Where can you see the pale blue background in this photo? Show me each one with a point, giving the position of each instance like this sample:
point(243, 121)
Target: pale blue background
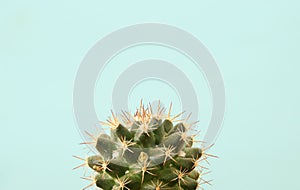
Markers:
point(256, 47)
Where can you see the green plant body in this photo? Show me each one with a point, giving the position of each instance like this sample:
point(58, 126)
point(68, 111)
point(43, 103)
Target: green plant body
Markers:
point(147, 151)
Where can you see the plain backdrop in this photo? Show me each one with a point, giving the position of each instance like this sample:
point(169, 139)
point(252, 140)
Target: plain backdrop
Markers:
point(255, 43)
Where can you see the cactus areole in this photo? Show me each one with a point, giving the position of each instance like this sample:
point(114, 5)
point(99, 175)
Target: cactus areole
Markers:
point(148, 150)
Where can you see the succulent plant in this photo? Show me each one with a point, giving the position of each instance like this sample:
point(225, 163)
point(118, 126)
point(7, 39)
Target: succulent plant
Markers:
point(149, 150)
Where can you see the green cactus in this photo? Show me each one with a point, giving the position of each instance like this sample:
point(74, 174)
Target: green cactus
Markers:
point(147, 151)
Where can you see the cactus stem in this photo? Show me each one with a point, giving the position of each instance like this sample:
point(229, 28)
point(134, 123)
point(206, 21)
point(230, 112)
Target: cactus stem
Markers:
point(147, 150)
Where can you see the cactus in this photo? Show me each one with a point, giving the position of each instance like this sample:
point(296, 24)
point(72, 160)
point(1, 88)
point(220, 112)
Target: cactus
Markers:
point(148, 151)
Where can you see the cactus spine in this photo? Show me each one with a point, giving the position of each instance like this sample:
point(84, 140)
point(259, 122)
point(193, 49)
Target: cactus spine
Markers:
point(148, 151)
